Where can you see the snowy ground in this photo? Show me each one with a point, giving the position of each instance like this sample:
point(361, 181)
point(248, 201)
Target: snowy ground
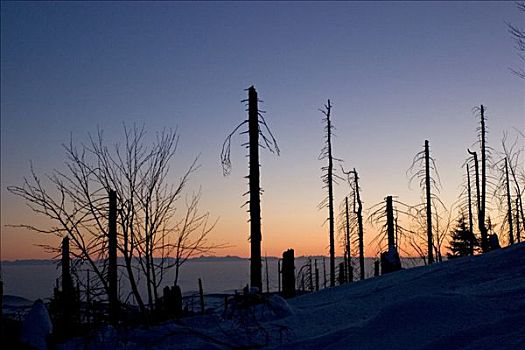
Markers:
point(469, 303)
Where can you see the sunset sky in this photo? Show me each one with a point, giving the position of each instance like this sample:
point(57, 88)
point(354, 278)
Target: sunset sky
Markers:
point(397, 73)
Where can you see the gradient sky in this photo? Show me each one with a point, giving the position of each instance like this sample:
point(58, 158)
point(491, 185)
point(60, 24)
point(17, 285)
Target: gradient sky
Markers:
point(397, 73)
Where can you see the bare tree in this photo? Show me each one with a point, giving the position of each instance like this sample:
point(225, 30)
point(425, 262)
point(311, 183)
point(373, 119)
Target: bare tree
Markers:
point(510, 184)
point(346, 228)
point(482, 176)
point(425, 164)
point(256, 125)
point(513, 153)
point(465, 203)
point(356, 219)
point(482, 134)
point(328, 179)
point(392, 235)
point(518, 35)
point(149, 226)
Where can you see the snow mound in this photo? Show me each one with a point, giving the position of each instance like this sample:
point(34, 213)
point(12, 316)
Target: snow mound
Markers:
point(472, 303)
point(36, 326)
point(279, 306)
point(468, 303)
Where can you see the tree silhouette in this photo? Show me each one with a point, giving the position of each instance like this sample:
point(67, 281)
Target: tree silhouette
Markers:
point(328, 179)
point(148, 230)
point(518, 35)
point(461, 239)
point(481, 176)
point(256, 125)
point(356, 222)
point(465, 202)
point(483, 134)
point(426, 164)
point(514, 177)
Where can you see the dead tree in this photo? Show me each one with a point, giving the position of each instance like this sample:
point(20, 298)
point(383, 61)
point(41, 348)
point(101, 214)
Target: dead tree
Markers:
point(392, 242)
point(65, 304)
point(358, 211)
point(518, 231)
point(316, 277)
point(324, 273)
point(201, 298)
point(328, 178)
point(348, 254)
point(390, 260)
point(256, 123)
point(509, 203)
point(267, 275)
point(148, 223)
point(515, 171)
point(67, 281)
point(392, 237)
point(112, 258)
point(483, 133)
point(429, 204)
point(483, 173)
point(518, 34)
point(481, 217)
point(288, 274)
point(426, 164)
point(469, 203)
point(356, 222)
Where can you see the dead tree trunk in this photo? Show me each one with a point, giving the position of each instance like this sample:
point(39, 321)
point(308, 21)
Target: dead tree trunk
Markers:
point(347, 239)
point(316, 276)
point(255, 191)
point(311, 274)
point(429, 205)
point(470, 221)
point(279, 275)
point(201, 297)
point(112, 258)
point(518, 233)
point(360, 233)
point(68, 292)
point(267, 275)
point(483, 228)
point(509, 203)
point(390, 224)
point(328, 179)
point(288, 274)
point(67, 281)
point(481, 216)
point(390, 261)
point(341, 274)
point(324, 272)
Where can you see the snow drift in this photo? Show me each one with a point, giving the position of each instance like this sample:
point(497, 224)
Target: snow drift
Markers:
point(467, 303)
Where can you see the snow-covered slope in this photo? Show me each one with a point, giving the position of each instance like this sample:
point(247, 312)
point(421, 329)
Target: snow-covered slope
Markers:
point(468, 303)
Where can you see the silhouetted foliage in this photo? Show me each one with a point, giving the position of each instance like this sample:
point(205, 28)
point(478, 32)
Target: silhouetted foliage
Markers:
point(462, 240)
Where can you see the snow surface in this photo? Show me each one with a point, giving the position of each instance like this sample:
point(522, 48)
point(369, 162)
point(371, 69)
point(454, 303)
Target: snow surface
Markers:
point(466, 303)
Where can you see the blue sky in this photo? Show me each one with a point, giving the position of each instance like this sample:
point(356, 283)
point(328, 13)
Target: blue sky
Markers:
point(397, 73)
